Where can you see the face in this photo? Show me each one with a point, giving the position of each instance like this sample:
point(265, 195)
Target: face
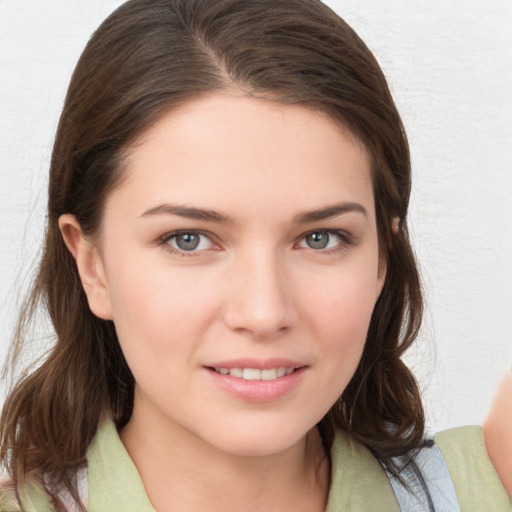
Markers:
point(240, 265)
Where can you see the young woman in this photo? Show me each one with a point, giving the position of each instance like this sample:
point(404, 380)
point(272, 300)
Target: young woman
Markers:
point(228, 272)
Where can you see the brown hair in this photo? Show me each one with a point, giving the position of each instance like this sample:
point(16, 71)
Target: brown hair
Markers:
point(146, 58)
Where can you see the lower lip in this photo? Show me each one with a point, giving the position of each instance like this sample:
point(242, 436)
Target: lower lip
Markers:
point(258, 390)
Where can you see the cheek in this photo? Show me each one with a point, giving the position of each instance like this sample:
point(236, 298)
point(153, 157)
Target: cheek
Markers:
point(342, 303)
point(154, 310)
point(339, 311)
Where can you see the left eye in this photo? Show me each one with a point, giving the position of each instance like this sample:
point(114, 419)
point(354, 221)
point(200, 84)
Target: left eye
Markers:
point(320, 240)
point(189, 241)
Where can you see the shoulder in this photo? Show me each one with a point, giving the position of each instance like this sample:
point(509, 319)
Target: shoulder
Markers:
point(453, 473)
point(354, 470)
point(33, 498)
point(476, 482)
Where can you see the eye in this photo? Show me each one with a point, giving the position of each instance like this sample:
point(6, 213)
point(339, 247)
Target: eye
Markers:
point(187, 241)
point(323, 239)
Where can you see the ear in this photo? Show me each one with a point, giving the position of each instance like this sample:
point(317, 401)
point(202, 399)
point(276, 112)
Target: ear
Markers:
point(381, 275)
point(90, 266)
point(383, 265)
point(395, 225)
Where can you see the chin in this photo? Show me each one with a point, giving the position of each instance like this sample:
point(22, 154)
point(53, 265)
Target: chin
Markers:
point(258, 442)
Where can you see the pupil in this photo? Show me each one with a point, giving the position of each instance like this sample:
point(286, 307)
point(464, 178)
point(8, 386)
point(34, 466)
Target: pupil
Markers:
point(187, 241)
point(317, 240)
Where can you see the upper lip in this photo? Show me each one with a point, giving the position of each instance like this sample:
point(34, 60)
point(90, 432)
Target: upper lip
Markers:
point(261, 364)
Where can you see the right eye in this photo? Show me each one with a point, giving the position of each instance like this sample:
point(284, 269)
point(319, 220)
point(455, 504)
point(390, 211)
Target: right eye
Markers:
point(187, 241)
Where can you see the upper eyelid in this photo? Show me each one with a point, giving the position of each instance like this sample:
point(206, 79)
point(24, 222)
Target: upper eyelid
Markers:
point(177, 232)
point(339, 232)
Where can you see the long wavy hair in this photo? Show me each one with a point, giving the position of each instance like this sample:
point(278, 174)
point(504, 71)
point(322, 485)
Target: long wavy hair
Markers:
point(146, 58)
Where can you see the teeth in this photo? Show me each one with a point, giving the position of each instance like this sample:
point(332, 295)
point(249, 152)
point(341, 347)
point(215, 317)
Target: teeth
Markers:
point(255, 373)
point(269, 374)
point(251, 374)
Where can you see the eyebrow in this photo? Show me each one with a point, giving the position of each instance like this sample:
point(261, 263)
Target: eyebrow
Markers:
point(220, 218)
point(187, 213)
point(330, 211)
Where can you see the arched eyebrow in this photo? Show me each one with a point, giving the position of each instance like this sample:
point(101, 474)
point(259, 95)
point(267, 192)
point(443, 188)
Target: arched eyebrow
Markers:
point(188, 213)
point(329, 212)
point(220, 218)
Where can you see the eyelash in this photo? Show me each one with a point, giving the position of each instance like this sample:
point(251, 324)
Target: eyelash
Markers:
point(345, 241)
point(164, 241)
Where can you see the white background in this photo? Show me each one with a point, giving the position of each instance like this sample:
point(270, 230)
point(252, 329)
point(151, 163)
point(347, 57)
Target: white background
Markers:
point(449, 65)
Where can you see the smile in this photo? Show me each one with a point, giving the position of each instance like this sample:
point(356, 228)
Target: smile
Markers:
point(256, 373)
point(257, 380)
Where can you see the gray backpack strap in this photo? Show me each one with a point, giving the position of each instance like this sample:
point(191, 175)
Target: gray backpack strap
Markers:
point(428, 486)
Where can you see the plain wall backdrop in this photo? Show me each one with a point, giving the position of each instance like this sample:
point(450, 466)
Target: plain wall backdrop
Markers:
point(449, 65)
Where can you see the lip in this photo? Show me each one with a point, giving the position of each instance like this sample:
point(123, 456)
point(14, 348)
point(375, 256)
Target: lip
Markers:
point(257, 390)
point(261, 364)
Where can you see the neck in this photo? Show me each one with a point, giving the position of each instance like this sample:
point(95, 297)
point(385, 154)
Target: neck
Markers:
point(183, 473)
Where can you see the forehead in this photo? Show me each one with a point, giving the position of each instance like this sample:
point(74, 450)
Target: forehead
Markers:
point(231, 152)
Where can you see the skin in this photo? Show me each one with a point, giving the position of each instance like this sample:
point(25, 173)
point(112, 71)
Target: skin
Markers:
point(498, 432)
point(253, 288)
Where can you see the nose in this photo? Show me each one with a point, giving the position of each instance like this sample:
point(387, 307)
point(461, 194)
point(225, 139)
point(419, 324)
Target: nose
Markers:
point(260, 301)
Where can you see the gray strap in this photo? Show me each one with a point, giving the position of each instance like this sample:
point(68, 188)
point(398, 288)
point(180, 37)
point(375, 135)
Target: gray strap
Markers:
point(428, 483)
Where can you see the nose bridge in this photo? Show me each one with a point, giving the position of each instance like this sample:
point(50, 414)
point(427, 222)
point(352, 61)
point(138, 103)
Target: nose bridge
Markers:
point(261, 298)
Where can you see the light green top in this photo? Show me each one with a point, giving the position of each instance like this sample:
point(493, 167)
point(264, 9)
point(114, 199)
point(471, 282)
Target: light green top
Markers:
point(476, 482)
point(358, 482)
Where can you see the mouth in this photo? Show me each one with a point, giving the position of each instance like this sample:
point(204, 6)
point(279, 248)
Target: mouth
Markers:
point(256, 373)
point(257, 380)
